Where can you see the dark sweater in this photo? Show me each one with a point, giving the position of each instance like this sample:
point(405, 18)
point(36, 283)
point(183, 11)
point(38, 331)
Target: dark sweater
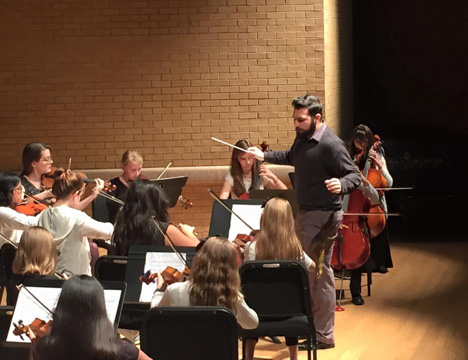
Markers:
point(323, 156)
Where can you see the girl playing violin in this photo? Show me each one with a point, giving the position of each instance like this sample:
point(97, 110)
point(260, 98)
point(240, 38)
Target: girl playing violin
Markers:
point(362, 148)
point(214, 281)
point(277, 240)
point(135, 224)
point(81, 328)
point(245, 175)
point(35, 258)
point(12, 223)
point(71, 227)
point(132, 163)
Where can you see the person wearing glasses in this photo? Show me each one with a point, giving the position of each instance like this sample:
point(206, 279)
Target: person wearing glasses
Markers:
point(12, 223)
point(71, 227)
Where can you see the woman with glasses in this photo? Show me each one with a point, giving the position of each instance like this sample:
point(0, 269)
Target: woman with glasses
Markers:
point(71, 227)
point(12, 223)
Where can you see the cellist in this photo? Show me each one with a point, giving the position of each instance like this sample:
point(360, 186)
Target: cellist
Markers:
point(361, 148)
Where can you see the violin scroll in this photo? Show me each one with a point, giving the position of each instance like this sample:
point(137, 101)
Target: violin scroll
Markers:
point(38, 327)
point(186, 203)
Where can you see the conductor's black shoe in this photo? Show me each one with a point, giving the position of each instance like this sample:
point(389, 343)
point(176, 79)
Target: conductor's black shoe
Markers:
point(382, 269)
point(357, 300)
point(317, 346)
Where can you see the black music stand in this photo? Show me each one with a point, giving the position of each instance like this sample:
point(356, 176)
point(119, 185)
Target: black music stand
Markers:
point(291, 178)
point(172, 187)
point(221, 218)
point(287, 194)
point(136, 266)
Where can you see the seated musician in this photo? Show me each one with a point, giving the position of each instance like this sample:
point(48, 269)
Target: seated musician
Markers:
point(136, 224)
point(71, 227)
point(277, 240)
point(81, 328)
point(12, 223)
point(35, 258)
point(37, 161)
point(214, 281)
point(132, 163)
point(245, 174)
point(380, 256)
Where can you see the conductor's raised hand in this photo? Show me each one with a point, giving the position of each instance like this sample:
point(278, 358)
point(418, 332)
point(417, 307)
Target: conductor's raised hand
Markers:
point(333, 185)
point(256, 152)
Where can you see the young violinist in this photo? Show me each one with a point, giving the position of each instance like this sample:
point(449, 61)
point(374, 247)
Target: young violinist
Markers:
point(245, 174)
point(214, 281)
point(35, 258)
point(361, 149)
point(12, 223)
point(277, 240)
point(135, 223)
point(71, 227)
point(81, 328)
point(132, 163)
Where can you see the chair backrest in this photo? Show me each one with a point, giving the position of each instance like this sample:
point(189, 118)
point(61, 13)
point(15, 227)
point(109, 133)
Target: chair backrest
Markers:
point(110, 268)
point(7, 255)
point(210, 333)
point(276, 289)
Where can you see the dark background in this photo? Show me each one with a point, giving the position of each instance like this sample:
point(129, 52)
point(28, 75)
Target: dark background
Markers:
point(410, 87)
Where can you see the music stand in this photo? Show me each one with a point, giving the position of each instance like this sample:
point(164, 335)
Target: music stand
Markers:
point(221, 218)
point(291, 178)
point(172, 187)
point(287, 194)
point(136, 265)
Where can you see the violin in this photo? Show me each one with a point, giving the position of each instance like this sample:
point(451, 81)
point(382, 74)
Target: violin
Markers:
point(30, 208)
point(169, 274)
point(39, 327)
point(186, 203)
point(108, 186)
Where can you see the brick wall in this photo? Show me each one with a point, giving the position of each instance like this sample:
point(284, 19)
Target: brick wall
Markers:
point(93, 78)
point(339, 65)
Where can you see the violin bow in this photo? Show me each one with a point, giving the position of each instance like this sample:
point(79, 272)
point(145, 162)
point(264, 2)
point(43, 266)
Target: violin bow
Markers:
point(21, 286)
point(165, 169)
point(171, 243)
point(218, 199)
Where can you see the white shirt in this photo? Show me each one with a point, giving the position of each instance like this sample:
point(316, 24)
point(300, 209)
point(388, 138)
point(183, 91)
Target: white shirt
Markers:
point(247, 179)
point(249, 254)
point(12, 223)
point(177, 294)
point(71, 229)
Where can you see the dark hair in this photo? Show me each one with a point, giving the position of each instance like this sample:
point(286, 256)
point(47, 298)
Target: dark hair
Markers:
point(66, 183)
point(134, 224)
point(81, 328)
point(8, 181)
point(238, 187)
point(32, 152)
point(309, 102)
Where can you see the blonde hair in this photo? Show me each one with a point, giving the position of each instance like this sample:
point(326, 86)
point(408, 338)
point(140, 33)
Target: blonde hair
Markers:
point(132, 155)
point(214, 275)
point(36, 254)
point(277, 237)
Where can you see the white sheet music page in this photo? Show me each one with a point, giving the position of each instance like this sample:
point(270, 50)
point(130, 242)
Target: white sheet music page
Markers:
point(157, 262)
point(250, 214)
point(28, 309)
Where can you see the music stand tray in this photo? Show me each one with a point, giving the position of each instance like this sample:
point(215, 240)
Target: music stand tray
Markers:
point(172, 187)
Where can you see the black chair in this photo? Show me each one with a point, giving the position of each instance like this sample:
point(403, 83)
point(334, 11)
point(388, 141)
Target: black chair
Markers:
point(110, 268)
point(7, 255)
point(279, 292)
point(211, 333)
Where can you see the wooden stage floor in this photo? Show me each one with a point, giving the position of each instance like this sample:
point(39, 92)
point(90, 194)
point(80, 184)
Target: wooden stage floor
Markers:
point(418, 310)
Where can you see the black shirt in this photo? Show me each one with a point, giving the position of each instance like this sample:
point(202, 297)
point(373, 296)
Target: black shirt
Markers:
point(120, 193)
point(320, 157)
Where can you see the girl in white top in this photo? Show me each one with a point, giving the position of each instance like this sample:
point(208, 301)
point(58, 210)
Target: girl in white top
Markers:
point(245, 175)
point(214, 281)
point(12, 223)
point(277, 240)
point(71, 227)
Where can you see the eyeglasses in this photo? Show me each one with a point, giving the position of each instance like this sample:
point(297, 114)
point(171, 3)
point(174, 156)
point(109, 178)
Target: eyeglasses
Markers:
point(47, 160)
point(18, 188)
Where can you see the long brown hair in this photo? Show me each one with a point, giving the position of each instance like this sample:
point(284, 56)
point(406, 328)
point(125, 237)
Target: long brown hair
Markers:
point(36, 254)
point(238, 187)
point(32, 152)
point(277, 238)
point(215, 275)
point(66, 183)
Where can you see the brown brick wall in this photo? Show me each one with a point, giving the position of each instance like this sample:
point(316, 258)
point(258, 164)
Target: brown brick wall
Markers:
point(93, 78)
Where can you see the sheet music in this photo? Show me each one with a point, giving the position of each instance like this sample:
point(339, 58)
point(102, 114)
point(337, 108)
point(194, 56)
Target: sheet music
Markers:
point(250, 214)
point(27, 308)
point(157, 262)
